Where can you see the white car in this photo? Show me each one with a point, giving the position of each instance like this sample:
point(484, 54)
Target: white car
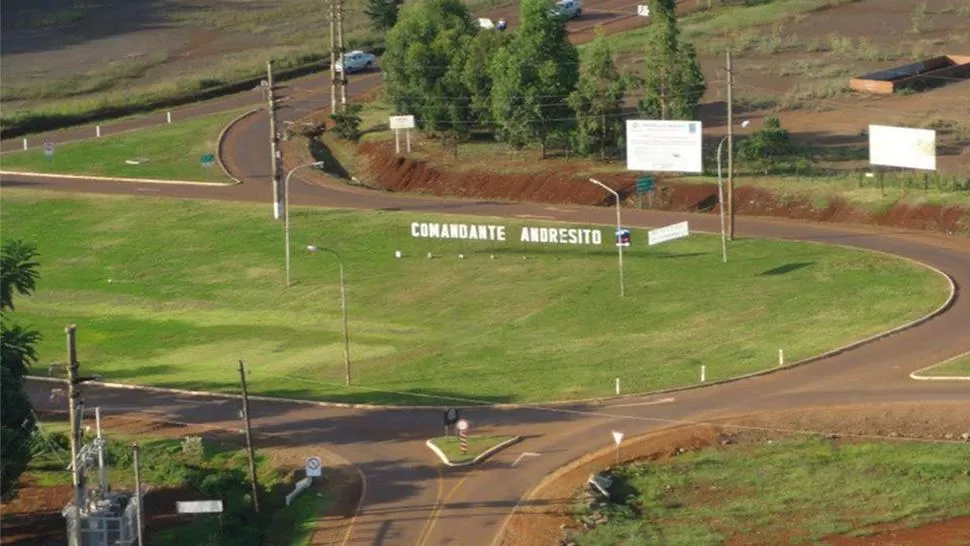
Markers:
point(356, 61)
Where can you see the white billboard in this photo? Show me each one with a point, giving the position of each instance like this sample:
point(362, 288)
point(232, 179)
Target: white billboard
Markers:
point(902, 147)
point(668, 233)
point(669, 146)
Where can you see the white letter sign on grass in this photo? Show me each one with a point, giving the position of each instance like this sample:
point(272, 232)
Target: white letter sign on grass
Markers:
point(902, 147)
point(669, 146)
point(668, 233)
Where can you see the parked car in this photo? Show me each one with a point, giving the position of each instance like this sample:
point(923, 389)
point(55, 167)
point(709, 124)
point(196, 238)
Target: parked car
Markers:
point(568, 9)
point(356, 61)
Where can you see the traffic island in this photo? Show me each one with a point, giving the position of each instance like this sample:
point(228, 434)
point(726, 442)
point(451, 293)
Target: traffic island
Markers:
point(448, 448)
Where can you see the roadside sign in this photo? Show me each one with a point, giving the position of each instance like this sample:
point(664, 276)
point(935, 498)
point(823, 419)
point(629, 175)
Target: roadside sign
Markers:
point(617, 437)
point(623, 237)
point(451, 416)
point(463, 435)
point(313, 467)
point(645, 184)
point(199, 507)
point(401, 122)
point(643, 11)
point(208, 160)
point(664, 146)
point(48, 148)
point(463, 425)
point(668, 233)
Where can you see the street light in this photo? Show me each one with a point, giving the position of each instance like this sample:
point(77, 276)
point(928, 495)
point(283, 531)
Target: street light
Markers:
point(343, 308)
point(720, 194)
point(619, 247)
point(286, 213)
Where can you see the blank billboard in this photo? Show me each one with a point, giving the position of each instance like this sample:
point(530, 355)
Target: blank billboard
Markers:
point(902, 147)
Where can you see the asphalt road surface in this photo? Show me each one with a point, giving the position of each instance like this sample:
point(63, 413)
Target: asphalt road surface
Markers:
point(410, 498)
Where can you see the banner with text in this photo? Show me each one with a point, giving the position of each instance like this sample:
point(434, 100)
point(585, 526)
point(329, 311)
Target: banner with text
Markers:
point(499, 233)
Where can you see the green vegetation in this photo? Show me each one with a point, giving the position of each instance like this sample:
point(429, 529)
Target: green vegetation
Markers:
point(174, 152)
point(172, 293)
point(451, 446)
point(793, 491)
point(958, 367)
point(203, 466)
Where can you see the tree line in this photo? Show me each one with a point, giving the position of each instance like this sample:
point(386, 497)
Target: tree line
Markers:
point(530, 86)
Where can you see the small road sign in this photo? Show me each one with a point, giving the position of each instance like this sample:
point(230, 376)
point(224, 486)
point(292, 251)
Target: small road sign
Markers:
point(313, 467)
point(643, 11)
point(208, 160)
point(48, 148)
point(451, 416)
point(617, 437)
point(645, 184)
point(463, 425)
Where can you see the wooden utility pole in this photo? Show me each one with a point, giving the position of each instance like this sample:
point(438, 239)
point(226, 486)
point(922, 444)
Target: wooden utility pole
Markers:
point(274, 141)
point(340, 45)
point(249, 437)
point(74, 410)
point(333, 62)
point(730, 145)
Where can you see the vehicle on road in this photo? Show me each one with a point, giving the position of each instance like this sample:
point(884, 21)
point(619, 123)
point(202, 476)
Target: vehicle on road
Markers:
point(568, 9)
point(356, 61)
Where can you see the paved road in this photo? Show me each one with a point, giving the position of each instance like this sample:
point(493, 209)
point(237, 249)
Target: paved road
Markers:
point(410, 499)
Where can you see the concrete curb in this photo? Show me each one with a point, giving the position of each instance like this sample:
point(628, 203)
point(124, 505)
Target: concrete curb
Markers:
point(920, 377)
point(486, 454)
point(222, 140)
point(115, 179)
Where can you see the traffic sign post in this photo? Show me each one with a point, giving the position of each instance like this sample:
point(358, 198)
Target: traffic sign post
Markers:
point(463, 427)
point(451, 417)
point(314, 467)
point(48, 150)
point(617, 438)
point(208, 160)
point(645, 185)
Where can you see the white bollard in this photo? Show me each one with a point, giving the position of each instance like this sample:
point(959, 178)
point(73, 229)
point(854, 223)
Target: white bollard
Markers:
point(781, 357)
point(97, 131)
point(168, 117)
point(703, 373)
point(397, 253)
point(25, 143)
point(617, 386)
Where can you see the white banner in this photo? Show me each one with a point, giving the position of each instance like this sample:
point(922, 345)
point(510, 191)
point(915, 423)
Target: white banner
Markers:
point(402, 122)
point(902, 147)
point(668, 233)
point(199, 507)
point(669, 146)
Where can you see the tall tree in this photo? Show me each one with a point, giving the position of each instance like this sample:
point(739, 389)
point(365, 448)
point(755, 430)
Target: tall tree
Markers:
point(673, 84)
point(533, 76)
point(382, 14)
point(423, 64)
point(598, 100)
point(475, 74)
point(18, 274)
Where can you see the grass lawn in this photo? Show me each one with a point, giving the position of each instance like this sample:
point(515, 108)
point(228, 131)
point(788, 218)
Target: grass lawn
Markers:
point(217, 472)
point(177, 304)
point(451, 447)
point(174, 151)
point(958, 367)
point(792, 491)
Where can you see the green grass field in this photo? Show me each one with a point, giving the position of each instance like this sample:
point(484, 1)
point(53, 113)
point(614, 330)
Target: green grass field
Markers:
point(175, 152)
point(173, 293)
point(793, 491)
point(958, 367)
point(451, 447)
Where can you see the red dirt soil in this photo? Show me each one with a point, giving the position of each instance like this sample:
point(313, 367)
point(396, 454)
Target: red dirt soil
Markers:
point(401, 174)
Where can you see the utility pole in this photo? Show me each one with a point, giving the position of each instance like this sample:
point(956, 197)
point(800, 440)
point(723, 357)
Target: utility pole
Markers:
point(730, 143)
point(663, 94)
point(74, 410)
point(139, 517)
point(249, 437)
point(102, 469)
point(340, 39)
point(333, 62)
point(273, 141)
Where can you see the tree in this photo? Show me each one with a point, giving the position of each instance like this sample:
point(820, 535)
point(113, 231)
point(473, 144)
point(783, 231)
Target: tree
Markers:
point(598, 100)
point(423, 64)
point(18, 274)
point(475, 75)
point(533, 76)
point(347, 123)
point(382, 14)
point(767, 149)
point(673, 84)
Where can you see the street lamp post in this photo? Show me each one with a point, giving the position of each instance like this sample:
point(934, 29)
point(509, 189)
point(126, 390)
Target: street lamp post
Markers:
point(286, 213)
point(720, 194)
point(343, 308)
point(619, 248)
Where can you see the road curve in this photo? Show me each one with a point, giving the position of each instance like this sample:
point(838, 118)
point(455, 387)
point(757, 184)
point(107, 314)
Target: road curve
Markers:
point(411, 499)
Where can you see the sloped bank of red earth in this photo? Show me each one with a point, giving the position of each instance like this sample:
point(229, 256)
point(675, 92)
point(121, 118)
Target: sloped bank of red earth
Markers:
point(565, 185)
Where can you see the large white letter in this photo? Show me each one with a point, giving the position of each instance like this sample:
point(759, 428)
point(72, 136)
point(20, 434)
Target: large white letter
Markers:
point(414, 230)
point(597, 237)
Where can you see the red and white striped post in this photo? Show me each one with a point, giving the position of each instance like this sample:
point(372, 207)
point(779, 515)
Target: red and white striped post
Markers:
point(463, 435)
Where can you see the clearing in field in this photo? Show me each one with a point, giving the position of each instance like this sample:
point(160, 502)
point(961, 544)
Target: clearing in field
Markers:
point(173, 293)
point(789, 491)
